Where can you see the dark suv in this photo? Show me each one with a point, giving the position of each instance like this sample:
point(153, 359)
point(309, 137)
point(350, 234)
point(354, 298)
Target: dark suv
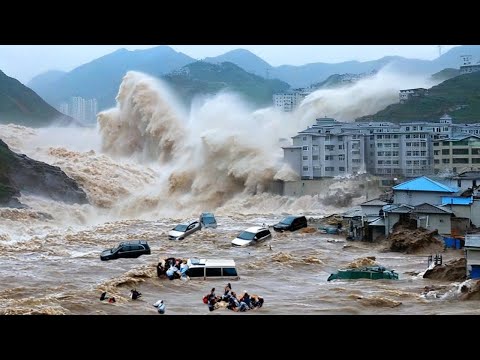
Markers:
point(130, 249)
point(291, 223)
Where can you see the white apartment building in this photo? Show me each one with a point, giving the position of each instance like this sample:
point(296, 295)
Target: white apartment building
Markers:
point(331, 148)
point(288, 101)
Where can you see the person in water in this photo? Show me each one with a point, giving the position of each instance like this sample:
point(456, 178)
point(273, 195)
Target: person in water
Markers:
point(134, 294)
point(160, 305)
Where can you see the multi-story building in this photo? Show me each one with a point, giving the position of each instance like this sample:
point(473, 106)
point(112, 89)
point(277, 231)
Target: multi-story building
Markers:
point(457, 154)
point(331, 148)
point(467, 66)
point(80, 109)
point(288, 101)
point(324, 150)
point(409, 93)
point(91, 110)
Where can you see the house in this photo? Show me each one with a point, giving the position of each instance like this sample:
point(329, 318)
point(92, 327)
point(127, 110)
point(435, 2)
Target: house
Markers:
point(396, 214)
point(421, 190)
point(410, 93)
point(373, 207)
point(424, 215)
point(472, 255)
point(432, 217)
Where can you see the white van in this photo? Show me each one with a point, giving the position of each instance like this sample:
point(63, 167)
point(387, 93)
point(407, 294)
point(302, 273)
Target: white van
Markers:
point(212, 269)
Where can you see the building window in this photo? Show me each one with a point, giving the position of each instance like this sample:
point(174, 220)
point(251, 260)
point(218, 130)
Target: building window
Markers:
point(459, 151)
point(315, 157)
point(329, 168)
point(436, 152)
point(356, 161)
point(328, 157)
point(340, 147)
point(314, 148)
point(341, 168)
point(329, 147)
point(436, 161)
point(445, 151)
point(445, 161)
point(435, 144)
point(476, 161)
point(304, 138)
point(305, 158)
point(475, 151)
point(305, 148)
point(305, 168)
point(317, 168)
point(395, 145)
point(460, 160)
point(341, 157)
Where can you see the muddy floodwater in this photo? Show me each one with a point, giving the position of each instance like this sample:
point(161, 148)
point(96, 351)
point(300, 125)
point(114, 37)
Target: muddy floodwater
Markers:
point(60, 272)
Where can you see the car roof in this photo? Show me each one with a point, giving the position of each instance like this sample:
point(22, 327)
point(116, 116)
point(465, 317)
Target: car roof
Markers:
point(207, 214)
point(188, 223)
point(213, 262)
point(255, 229)
point(134, 242)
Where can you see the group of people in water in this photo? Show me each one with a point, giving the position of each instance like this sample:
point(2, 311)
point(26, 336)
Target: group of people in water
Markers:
point(232, 302)
point(173, 269)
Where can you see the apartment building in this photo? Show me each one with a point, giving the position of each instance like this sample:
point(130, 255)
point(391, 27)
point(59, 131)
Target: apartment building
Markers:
point(331, 148)
point(457, 154)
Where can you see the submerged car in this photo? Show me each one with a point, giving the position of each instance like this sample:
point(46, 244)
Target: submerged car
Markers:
point(291, 223)
point(181, 231)
point(208, 220)
point(252, 236)
point(368, 272)
point(130, 249)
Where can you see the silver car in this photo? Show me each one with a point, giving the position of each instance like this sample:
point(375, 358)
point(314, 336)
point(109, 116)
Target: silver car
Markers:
point(181, 231)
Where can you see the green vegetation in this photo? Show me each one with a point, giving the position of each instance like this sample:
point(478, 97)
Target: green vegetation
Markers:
point(205, 78)
point(459, 97)
point(21, 105)
point(445, 74)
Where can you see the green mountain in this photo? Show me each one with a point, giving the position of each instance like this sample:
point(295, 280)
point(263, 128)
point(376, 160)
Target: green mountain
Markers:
point(206, 78)
point(459, 96)
point(21, 105)
point(247, 60)
point(445, 74)
point(102, 77)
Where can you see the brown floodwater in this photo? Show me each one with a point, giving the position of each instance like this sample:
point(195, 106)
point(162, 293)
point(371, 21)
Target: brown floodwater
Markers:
point(59, 271)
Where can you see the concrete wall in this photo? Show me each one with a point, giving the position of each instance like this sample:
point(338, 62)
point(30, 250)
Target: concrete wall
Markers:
point(473, 258)
point(439, 222)
point(475, 217)
point(460, 225)
point(293, 157)
point(390, 220)
point(306, 187)
point(417, 197)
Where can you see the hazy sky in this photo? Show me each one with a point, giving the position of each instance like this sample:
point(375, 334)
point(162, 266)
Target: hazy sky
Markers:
point(25, 61)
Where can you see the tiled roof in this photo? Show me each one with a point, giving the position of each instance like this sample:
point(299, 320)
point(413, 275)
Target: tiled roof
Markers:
point(374, 202)
point(430, 209)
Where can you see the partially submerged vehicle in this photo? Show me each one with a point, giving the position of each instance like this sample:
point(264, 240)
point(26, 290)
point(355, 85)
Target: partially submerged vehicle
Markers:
point(208, 220)
point(252, 236)
point(128, 249)
point(368, 272)
point(199, 269)
point(181, 231)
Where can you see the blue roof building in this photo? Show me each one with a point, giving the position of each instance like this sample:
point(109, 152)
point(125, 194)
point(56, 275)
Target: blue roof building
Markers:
point(421, 190)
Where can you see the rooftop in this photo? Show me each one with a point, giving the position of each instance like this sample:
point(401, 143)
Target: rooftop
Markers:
point(472, 240)
point(426, 208)
point(374, 202)
point(424, 183)
point(456, 200)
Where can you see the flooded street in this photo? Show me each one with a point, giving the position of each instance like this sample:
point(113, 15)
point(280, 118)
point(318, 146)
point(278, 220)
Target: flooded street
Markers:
point(61, 273)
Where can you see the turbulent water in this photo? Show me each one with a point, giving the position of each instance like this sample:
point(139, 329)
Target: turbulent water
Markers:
point(151, 164)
